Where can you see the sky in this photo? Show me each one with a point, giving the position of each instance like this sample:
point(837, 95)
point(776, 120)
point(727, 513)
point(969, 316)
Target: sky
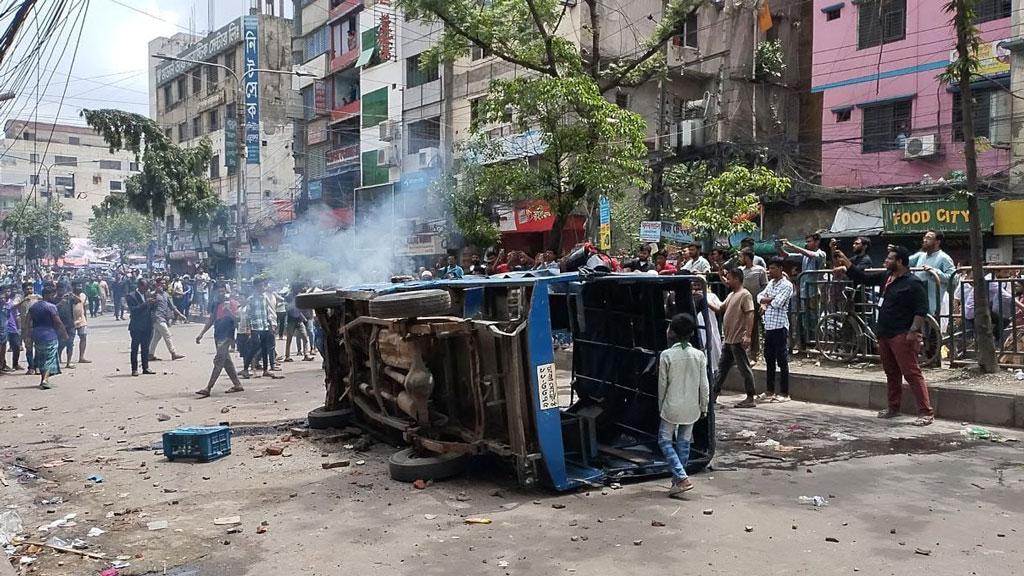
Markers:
point(111, 68)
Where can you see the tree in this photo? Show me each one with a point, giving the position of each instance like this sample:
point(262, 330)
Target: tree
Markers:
point(171, 175)
point(589, 147)
point(962, 71)
point(127, 231)
point(723, 204)
point(37, 231)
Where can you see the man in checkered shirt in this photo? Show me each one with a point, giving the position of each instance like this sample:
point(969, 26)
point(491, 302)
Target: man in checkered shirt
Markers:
point(774, 301)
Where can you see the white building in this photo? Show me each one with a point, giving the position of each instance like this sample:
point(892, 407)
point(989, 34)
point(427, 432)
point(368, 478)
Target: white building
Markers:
point(70, 164)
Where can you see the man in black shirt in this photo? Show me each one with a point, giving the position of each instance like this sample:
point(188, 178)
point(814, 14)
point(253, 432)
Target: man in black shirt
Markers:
point(900, 322)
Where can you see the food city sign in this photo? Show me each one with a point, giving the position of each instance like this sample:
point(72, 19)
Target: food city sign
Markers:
point(942, 215)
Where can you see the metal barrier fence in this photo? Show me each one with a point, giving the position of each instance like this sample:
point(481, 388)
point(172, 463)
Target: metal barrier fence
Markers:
point(1006, 304)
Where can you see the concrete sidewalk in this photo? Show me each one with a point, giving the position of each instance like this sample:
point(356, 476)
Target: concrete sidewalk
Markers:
point(956, 394)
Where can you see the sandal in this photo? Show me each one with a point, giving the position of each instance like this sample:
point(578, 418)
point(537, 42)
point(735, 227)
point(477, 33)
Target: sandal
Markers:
point(204, 393)
point(234, 389)
point(924, 421)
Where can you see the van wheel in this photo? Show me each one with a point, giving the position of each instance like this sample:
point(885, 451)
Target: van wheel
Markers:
point(413, 464)
point(321, 419)
point(411, 304)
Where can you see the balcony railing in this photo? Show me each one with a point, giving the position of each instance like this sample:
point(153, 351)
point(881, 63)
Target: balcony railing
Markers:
point(345, 112)
point(343, 61)
point(343, 154)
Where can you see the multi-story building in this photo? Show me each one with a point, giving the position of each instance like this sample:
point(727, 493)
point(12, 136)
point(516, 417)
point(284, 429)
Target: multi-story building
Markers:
point(886, 117)
point(69, 164)
point(192, 101)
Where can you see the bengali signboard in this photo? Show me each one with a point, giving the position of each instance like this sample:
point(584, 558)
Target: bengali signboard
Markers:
point(316, 131)
point(385, 37)
point(319, 97)
point(228, 35)
point(993, 59)
point(605, 234)
point(655, 231)
point(941, 215)
point(251, 40)
point(231, 140)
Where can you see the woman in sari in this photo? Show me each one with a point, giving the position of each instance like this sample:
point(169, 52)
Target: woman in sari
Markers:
point(47, 333)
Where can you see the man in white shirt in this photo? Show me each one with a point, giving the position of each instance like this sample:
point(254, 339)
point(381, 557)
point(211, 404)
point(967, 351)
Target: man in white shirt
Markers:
point(774, 301)
point(696, 263)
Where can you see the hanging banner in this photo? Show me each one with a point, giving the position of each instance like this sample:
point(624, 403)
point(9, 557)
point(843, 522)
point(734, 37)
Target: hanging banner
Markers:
point(605, 235)
point(941, 215)
point(231, 140)
point(251, 35)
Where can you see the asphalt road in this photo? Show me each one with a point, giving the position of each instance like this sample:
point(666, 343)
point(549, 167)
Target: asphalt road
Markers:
point(901, 500)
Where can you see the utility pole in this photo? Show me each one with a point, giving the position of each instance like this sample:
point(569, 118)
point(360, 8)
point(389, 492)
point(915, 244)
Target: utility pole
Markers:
point(961, 70)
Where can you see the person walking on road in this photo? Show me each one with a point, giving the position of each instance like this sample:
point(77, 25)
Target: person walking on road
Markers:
point(92, 294)
point(47, 333)
point(901, 320)
point(14, 341)
point(140, 303)
point(737, 326)
point(261, 311)
point(118, 291)
point(774, 300)
point(223, 318)
point(164, 314)
point(28, 298)
point(683, 395)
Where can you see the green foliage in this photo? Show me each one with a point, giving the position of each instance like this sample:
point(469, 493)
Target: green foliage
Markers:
point(112, 204)
point(171, 175)
point(126, 231)
point(963, 19)
point(727, 199)
point(768, 60)
point(684, 184)
point(33, 229)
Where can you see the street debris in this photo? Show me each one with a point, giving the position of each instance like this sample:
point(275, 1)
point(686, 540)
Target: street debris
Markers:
point(816, 501)
point(337, 464)
point(558, 506)
point(162, 417)
point(419, 484)
point(274, 450)
point(976, 433)
point(10, 526)
point(748, 528)
point(502, 563)
point(832, 539)
point(430, 516)
point(95, 479)
point(94, 532)
point(157, 525)
point(923, 551)
point(65, 521)
point(638, 542)
point(657, 523)
point(744, 434)
point(462, 497)
point(227, 520)
point(842, 437)
point(93, 555)
point(708, 511)
point(473, 520)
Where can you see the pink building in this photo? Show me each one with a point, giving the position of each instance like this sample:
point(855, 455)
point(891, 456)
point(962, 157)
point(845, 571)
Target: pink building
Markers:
point(886, 118)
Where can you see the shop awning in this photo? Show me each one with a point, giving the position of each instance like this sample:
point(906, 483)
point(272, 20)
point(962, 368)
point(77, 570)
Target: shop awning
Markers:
point(365, 56)
point(863, 219)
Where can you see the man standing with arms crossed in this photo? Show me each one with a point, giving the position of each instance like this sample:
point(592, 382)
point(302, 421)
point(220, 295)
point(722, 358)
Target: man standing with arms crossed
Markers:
point(737, 327)
point(900, 324)
point(774, 301)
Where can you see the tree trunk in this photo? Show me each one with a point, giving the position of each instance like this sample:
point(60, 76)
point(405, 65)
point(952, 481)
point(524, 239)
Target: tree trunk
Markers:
point(982, 316)
point(555, 238)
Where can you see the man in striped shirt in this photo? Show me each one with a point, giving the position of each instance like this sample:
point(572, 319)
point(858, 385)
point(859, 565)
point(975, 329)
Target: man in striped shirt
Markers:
point(774, 301)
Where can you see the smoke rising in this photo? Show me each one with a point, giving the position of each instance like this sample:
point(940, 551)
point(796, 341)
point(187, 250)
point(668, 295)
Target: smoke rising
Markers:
point(317, 251)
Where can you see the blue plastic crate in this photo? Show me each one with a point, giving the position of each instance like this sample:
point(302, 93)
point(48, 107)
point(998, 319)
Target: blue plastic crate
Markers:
point(202, 443)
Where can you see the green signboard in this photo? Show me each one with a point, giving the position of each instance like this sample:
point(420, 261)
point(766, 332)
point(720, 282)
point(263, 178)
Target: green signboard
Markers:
point(941, 215)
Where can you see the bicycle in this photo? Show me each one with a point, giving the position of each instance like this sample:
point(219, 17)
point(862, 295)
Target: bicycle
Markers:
point(844, 336)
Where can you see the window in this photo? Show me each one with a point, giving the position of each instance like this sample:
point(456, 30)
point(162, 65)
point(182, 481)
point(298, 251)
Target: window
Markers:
point(415, 75)
point(27, 135)
point(475, 111)
point(197, 81)
point(883, 124)
point(197, 126)
point(115, 185)
point(168, 97)
point(182, 131)
point(33, 158)
point(987, 10)
point(843, 114)
point(212, 77)
point(991, 115)
point(215, 167)
point(622, 100)
point(375, 107)
point(424, 134)
point(133, 166)
point(33, 178)
point(478, 53)
point(65, 161)
point(316, 43)
point(832, 12)
point(229, 60)
point(213, 120)
point(110, 164)
point(881, 22)
point(64, 182)
point(689, 34)
point(182, 88)
point(74, 140)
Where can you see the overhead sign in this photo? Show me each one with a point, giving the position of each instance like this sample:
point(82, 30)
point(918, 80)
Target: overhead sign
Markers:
point(319, 97)
point(993, 59)
point(650, 231)
point(316, 131)
point(655, 231)
point(385, 37)
point(228, 35)
point(251, 25)
point(526, 216)
point(941, 215)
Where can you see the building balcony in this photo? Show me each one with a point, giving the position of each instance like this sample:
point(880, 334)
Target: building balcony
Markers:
point(343, 154)
point(343, 8)
point(350, 110)
point(342, 61)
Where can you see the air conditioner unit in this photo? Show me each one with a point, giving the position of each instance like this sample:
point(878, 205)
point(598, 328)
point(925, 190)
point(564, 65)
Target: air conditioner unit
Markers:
point(387, 130)
point(428, 157)
point(385, 157)
point(920, 146)
point(691, 133)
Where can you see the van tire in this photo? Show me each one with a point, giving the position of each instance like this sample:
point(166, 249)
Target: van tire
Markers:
point(322, 419)
point(411, 304)
point(413, 464)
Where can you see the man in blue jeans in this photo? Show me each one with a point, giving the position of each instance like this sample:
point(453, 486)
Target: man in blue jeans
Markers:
point(262, 315)
point(683, 395)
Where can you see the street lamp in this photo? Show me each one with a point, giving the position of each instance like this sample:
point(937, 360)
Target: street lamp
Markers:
point(241, 200)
